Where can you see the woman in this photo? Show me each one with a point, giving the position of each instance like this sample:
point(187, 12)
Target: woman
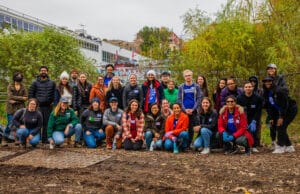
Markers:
point(217, 94)
point(232, 126)
point(91, 120)
point(171, 93)
point(176, 130)
point(64, 89)
point(154, 128)
point(201, 81)
point(29, 122)
point(98, 91)
point(205, 125)
point(281, 111)
point(152, 91)
point(62, 123)
point(115, 89)
point(112, 120)
point(165, 109)
point(84, 88)
point(133, 126)
point(17, 94)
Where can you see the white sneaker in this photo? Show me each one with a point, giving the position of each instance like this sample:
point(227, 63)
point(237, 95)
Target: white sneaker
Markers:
point(274, 145)
point(255, 150)
point(279, 150)
point(51, 146)
point(289, 149)
point(205, 151)
point(152, 145)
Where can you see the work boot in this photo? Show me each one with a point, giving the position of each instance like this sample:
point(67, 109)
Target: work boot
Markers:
point(4, 142)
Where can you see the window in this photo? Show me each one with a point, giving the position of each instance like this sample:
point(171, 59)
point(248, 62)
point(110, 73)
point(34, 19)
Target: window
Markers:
point(20, 24)
point(7, 19)
point(30, 27)
point(25, 26)
point(14, 22)
point(1, 18)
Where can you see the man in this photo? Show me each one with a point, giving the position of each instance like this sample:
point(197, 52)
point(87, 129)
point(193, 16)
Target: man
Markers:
point(252, 104)
point(109, 68)
point(74, 78)
point(189, 96)
point(43, 90)
point(230, 89)
point(165, 76)
point(113, 127)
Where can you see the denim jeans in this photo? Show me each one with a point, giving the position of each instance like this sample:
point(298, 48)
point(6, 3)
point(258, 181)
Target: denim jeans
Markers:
point(148, 138)
point(203, 140)
point(9, 122)
point(23, 133)
point(92, 138)
point(183, 136)
point(59, 137)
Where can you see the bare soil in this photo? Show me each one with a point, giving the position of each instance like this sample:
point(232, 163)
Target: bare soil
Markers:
point(157, 172)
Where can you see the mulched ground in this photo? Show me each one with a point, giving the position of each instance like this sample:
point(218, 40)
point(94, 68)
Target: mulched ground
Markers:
point(153, 172)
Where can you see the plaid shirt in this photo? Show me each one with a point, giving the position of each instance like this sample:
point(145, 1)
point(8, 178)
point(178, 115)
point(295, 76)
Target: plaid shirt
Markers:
point(126, 126)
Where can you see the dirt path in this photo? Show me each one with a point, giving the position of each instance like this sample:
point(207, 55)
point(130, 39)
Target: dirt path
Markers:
point(158, 172)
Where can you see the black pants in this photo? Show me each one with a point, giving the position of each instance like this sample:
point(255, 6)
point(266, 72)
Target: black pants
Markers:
point(283, 137)
point(191, 126)
point(129, 145)
point(45, 110)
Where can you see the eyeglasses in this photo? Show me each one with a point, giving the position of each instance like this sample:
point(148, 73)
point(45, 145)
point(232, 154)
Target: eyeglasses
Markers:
point(229, 101)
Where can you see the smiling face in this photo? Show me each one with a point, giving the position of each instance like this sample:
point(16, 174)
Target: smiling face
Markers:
point(154, 109)
point(248, 88)
point(95, 106)
point(64, 106)
point(271, 71)
point(100, 80)
point(134, 107)
point(132, 80)
point(200, 80)
point(150, 77)
point(230, 103)
point(32, 105)
point(64, 81)
point(176, 109)
point(231, 84)
point(222, 84)
point(268, 84)
point(205, 104)
point(165, 104)
point(82, 78)
point(115, 82)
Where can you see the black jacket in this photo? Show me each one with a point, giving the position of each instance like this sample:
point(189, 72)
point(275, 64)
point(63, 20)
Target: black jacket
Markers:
point(76, 98)
point(84, 92)
point(252, 106)
point(132, 92)
point(207, 120)
point(115, 93)
point(43, 91)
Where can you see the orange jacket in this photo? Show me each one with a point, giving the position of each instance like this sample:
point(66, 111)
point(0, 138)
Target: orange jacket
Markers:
point(99, 92)
point(182, 124)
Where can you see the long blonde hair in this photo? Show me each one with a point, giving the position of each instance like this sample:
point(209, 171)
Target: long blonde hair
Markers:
point(57, 109)
point(110, 85)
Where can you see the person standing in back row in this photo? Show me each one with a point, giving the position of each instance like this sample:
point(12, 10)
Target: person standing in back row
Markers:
point(189, 96)
point(132, 91)
point(43, 89)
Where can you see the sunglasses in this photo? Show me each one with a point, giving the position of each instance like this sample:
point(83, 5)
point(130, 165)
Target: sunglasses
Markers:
point(229, 101)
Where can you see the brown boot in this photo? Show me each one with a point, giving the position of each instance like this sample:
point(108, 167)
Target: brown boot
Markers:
point(4, 142)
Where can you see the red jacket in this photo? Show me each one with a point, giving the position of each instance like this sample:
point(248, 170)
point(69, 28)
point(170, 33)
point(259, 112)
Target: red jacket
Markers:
point(240, 122)
point(182, 124)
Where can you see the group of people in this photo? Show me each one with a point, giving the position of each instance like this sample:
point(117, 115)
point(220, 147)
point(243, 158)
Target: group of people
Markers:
point(156, 115)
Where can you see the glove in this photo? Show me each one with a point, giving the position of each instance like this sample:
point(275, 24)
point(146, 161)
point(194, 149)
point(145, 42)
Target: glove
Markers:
point(174, 138)
point(227, 137)
point(168, 133)
point(252, 126)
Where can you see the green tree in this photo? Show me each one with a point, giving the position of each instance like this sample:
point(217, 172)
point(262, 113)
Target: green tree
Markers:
point(27, 51)
point(155, 42)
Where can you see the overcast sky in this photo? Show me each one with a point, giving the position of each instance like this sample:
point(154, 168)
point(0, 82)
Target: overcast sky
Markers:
point(113, 19)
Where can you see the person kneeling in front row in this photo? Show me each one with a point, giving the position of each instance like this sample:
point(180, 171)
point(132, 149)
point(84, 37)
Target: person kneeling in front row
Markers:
point(232, 126)
point(176, 136)
point(62, 123)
